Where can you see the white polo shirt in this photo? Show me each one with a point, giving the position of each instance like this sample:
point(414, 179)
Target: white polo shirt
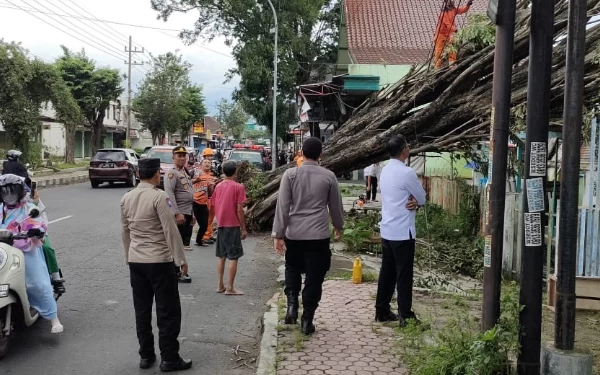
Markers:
point(398, 182)
point(373, 170)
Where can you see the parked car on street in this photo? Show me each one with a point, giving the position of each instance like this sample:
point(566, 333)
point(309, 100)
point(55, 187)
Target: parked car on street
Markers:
point(145, 152)
point(114, 165)
point(165, 154)
point(252, 154)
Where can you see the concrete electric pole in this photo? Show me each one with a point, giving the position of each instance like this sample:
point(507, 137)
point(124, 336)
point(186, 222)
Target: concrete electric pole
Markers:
point(130, 63)
point(275, 58)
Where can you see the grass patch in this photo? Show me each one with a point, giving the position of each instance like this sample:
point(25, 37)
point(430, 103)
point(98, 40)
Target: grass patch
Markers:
point(454, 343)
point(368, 276)
point(281, 307)
point(350, 190)
point(62, 166)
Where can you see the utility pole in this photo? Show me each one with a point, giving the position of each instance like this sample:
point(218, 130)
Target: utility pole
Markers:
point(275, 58)
point(564, 329)
point(130, 63)
point(534, 210)
point(503, 62)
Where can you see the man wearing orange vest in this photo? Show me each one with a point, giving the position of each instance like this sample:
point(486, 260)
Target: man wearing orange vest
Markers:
point(445, 29)
point(299, 159)
point(208, 154)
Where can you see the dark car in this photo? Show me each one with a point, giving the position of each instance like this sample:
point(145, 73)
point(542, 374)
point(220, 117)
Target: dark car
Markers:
point(165, 154)
point(114, 165)
point(145, 152)
point(254, 157)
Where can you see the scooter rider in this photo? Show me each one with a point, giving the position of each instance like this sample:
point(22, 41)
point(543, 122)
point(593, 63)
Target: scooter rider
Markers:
point(14, 166)
point(16, 218)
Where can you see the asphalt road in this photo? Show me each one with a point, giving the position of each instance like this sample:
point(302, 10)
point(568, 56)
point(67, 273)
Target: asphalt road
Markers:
point(97, 309)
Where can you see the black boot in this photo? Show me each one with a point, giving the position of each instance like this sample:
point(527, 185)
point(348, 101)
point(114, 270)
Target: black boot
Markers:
point(386, 317)
point(177, 365)
point(307, 326)
point(291, 316)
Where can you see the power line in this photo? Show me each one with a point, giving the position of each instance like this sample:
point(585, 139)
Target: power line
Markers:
point(15, 7)
point(105, 25)
point(101, 42)
point(201, 46)
point(32, 10)
point(66, 32)
point(92, 25)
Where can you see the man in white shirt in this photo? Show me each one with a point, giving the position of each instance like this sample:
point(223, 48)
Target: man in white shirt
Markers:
point(401, 194)
point(372, 174)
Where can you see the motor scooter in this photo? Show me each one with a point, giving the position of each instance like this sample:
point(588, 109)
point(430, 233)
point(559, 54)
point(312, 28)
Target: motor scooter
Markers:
point(15, 310)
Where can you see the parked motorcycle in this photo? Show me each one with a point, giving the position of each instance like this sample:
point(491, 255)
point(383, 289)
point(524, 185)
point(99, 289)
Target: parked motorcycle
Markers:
point(15, 310)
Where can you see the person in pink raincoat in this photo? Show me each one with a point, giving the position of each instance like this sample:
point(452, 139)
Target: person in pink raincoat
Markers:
point(16, 218)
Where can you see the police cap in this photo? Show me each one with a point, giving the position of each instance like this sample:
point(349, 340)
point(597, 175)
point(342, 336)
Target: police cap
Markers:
point(180, 150)
point(149, 164)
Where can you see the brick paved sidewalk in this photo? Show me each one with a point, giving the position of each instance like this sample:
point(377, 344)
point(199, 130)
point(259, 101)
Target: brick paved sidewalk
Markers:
point(347, 341)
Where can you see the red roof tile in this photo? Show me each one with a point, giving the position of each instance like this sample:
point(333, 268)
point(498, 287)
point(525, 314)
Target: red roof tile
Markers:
point(395, 32)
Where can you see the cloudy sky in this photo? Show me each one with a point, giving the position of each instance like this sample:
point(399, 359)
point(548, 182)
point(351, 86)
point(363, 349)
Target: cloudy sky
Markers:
point(105, 42)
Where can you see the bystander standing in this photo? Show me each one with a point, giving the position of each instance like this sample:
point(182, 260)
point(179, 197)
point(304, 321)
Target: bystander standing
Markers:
point(228, 203)
point(204, 184)
point(401, 194)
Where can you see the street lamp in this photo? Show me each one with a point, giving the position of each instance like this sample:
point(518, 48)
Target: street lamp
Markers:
point(274, 141)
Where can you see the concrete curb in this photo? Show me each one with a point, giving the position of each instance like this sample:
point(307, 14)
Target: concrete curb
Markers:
point(267, 359)
point(51, 172)
point(60, 181)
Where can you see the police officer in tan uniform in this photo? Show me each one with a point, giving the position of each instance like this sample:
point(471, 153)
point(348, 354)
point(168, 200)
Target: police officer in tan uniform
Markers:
point(178, 186)
point(153, 249)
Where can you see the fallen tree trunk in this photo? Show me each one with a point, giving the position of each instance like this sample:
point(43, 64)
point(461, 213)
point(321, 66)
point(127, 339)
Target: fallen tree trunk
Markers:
point(440, 110)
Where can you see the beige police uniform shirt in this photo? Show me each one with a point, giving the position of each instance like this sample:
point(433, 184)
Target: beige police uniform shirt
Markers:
point(178, 187)
point(149, 230)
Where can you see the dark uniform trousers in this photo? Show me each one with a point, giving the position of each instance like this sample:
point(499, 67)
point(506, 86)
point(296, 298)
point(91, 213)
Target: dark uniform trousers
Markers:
point(201, 213)
point(373, 192)
point(186, 230)
point(149, 281)
point(312, 257)
point(397, 271)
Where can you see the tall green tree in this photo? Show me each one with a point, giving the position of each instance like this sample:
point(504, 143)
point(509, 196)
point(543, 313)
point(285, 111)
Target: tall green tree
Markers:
point(192, 101)
point(25, 86)
point(166, 101)
point(233, 117)
point(308, 37)
point(93, 89)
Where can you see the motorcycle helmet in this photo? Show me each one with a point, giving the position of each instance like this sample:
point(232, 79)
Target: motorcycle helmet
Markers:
point(13, 155)
point(12, 189)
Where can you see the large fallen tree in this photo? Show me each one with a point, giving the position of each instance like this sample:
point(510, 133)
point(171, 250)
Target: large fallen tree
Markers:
point(445, 109)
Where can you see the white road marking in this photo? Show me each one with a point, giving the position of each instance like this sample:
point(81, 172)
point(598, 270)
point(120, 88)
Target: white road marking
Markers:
point(60, 219)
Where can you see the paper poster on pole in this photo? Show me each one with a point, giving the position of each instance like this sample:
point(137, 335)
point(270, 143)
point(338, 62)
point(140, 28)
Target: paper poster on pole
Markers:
point(535, 194)
point(487, 252)
point(533, 229)
point(537, 159)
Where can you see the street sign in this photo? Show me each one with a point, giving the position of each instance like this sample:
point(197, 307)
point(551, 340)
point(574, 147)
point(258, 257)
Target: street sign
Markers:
point(492, 10)
point(198, 128)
